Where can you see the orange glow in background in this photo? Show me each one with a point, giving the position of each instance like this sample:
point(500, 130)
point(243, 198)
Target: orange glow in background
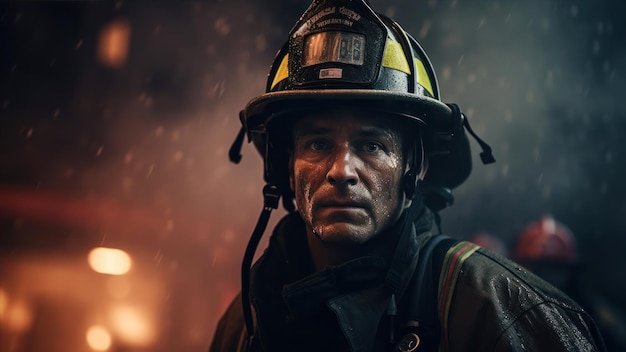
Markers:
point(122, 222)
point(109, 261)
point(114, 43)
point(98, 338)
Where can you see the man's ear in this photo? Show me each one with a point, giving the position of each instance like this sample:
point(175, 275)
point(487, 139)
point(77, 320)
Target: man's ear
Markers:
point(424, 169)
point(291, 180)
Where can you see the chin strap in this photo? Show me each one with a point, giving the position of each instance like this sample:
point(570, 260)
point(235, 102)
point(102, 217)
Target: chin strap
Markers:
point(486, 156)
point(234, 153)
point(271, 196)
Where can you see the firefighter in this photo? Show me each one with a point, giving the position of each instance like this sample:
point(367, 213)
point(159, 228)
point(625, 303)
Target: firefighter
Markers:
point(548, 248)
point(364, 154)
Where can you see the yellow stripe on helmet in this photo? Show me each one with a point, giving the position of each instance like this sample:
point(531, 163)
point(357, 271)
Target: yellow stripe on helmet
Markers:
point(422, 77)
point(395, 59)
point(282, 72)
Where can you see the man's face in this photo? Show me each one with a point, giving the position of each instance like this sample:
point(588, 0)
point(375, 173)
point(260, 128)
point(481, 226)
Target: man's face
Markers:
point(347, 172)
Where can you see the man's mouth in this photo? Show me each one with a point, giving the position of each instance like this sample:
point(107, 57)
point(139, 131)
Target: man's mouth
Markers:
point(340, 204)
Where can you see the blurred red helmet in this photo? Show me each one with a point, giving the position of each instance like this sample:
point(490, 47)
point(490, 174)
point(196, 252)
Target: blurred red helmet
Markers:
point(546, 240)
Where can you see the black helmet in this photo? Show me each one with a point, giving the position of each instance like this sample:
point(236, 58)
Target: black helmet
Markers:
point(341, 53)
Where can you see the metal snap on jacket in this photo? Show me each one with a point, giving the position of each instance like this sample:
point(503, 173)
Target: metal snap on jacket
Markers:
point(408, 343)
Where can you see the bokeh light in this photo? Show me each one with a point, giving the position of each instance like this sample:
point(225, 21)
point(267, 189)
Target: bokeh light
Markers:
point(114, 43)
point(98, 338)
point(109, 261)
point(132, 325)
point(17, 316)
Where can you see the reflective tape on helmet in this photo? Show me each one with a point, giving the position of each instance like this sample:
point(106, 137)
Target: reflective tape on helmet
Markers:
point(282, 72)
point(394, 57)
point(422, 77)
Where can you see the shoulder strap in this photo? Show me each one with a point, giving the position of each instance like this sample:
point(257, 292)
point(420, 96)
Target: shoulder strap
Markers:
point(422, 327)
point(432, 286)
point(424, 288)
point(451, 265)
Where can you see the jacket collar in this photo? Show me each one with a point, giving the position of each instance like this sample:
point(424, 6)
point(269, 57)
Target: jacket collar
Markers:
point(285, 288)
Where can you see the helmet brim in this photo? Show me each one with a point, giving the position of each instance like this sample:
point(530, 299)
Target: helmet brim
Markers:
point(435, 115)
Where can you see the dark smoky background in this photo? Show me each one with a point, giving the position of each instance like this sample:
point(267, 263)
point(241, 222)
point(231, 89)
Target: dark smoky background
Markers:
point(116, 118)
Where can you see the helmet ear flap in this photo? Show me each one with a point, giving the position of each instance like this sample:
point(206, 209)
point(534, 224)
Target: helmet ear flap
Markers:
point(278, 164)
point(409, 184)
point(415, 165)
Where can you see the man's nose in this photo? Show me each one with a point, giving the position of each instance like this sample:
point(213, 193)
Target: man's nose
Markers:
point(343, 170)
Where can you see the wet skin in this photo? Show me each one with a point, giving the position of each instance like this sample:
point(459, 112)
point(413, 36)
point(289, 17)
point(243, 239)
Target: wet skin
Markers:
point(347, 169)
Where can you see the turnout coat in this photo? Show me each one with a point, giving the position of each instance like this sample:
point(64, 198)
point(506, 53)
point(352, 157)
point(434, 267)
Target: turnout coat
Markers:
point(436, 294)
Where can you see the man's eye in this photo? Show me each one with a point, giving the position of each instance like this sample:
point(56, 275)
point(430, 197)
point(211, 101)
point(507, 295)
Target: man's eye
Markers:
point(317, 145)
point(372, 147)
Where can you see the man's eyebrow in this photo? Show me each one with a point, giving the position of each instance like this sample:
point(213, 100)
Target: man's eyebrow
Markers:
point(377, 131)
point(311, 130)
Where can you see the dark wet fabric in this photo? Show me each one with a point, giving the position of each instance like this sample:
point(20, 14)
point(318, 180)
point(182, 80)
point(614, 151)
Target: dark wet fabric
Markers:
point(496, 305)
point(499, 306)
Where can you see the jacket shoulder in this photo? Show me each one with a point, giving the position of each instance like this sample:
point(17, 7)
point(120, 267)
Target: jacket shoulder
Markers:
point(499, 272)
point(496, 304)
point(231, 331)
